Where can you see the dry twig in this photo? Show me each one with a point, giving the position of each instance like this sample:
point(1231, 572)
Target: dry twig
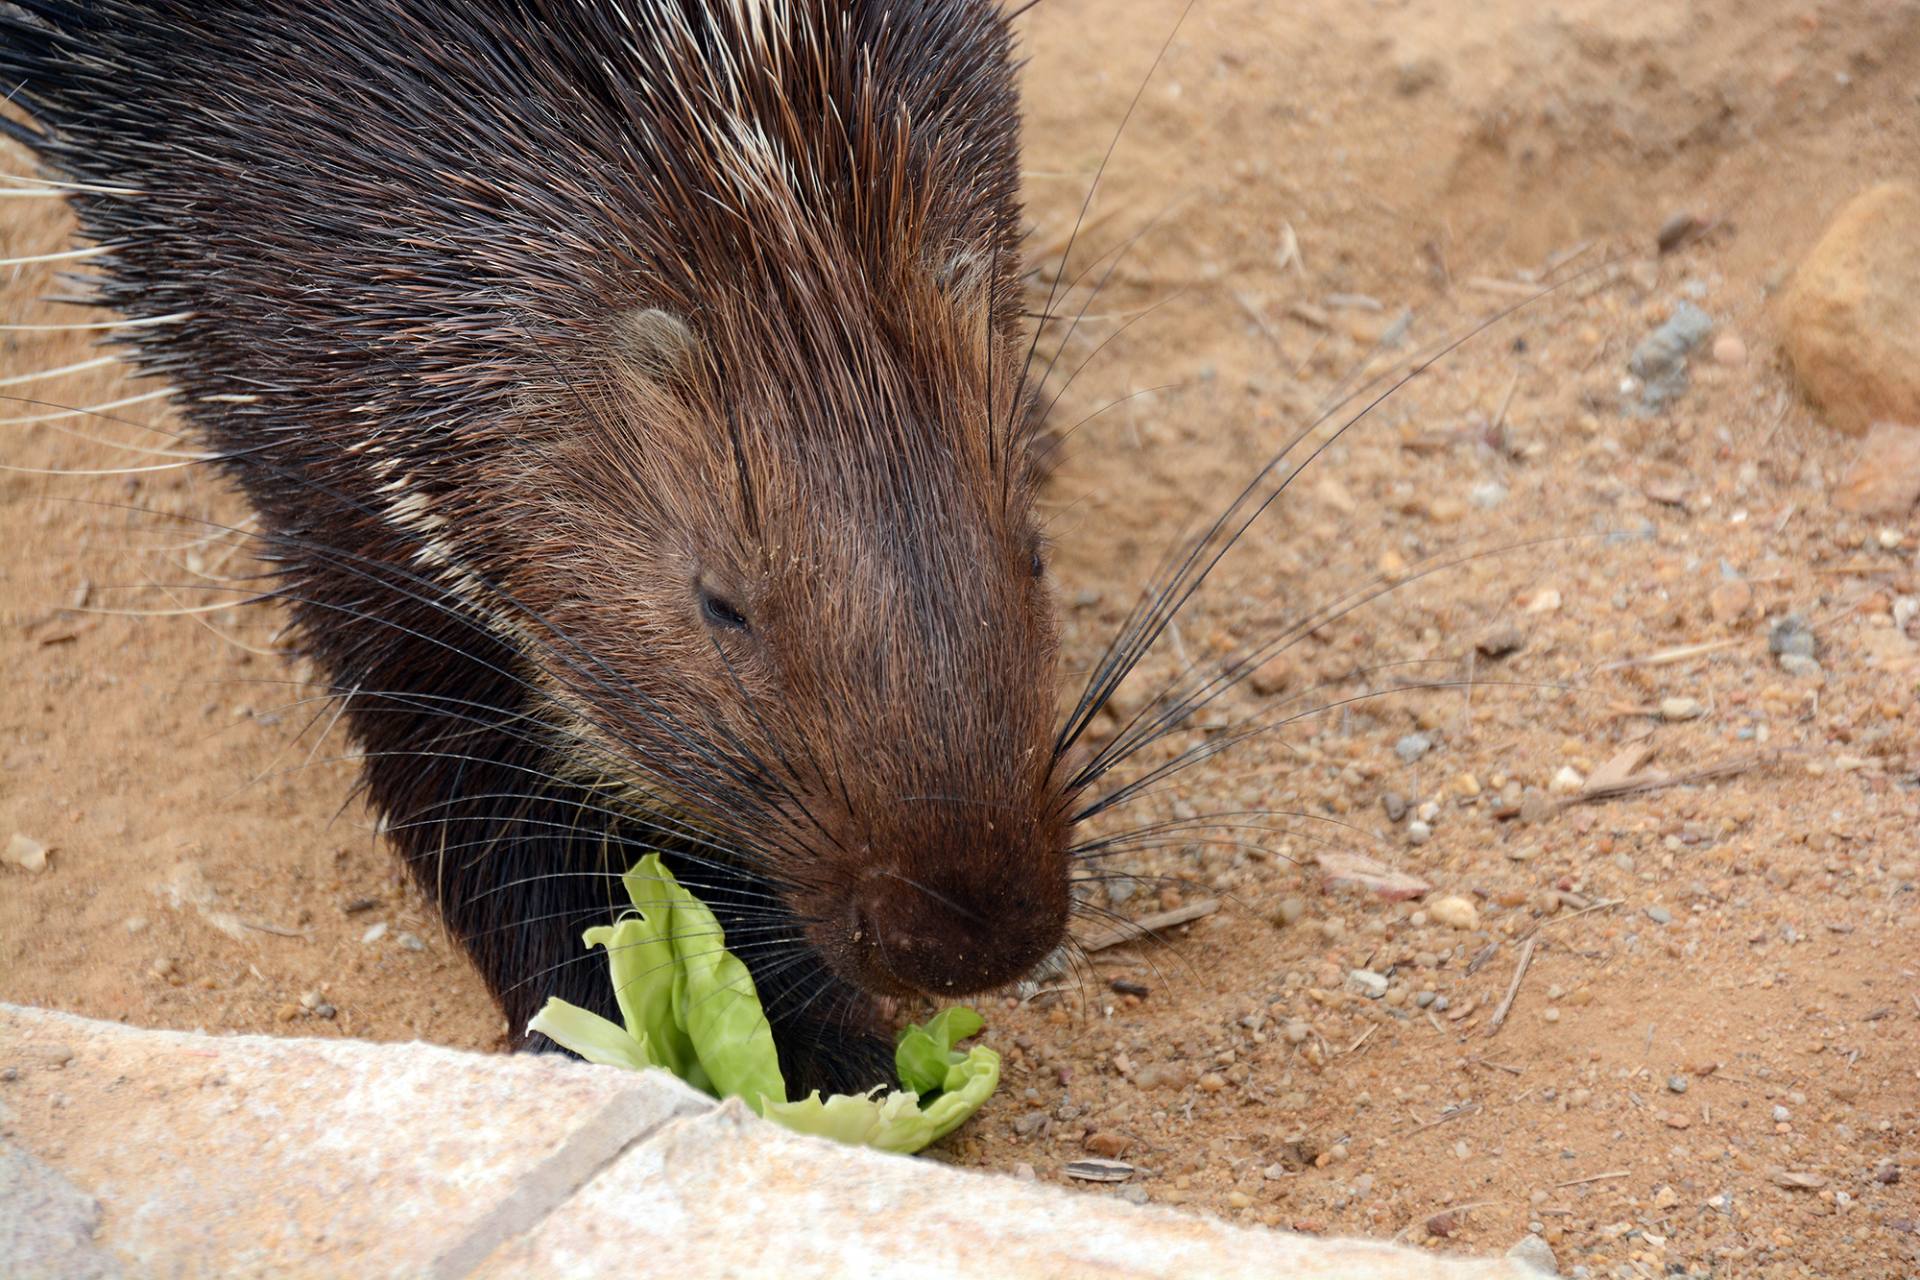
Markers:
point(1133, 931)
point(1513, 988)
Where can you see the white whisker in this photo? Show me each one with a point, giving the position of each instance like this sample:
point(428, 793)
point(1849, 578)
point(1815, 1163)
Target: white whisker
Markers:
point(97, 362)
point(89, 410)
point(59, 186)
point(143, 322)
point(65, 255)
point(189, 461)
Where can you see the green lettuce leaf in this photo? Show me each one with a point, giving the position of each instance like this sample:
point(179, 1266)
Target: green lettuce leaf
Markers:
point(690, 1007)
point(898, 1121)
point(924, 1054)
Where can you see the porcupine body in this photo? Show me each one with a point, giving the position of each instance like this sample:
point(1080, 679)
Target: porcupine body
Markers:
point(631, 399)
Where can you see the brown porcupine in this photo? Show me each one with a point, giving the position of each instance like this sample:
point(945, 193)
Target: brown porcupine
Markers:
point(635, 402)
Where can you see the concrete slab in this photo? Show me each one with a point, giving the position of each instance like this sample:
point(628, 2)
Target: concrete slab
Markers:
point(241, 1155)
point(726, 1194)
point(166, 1153)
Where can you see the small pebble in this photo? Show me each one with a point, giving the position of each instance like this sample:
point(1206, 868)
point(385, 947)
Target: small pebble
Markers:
point(1676, 1084)
point(1488, 494)
point(1801, 667)
point(1368, 983)
point(374, 933)
point(1729, 351)
point(1781, 1115)
point(1412, 747)
point(1791, 635)
point(1290, 911)
point(1659, 362)
point(1297, 1031)
point(412, 942)
point(1107, 1143)
point(1730, 600)
point(1544, 601)
point(1536, 1253)
point(1418, 832)
point(1659, 915)
point(1454, 911)
point(25, 853)
point(136, 924)
point(1567, 782)
point(1682, 708)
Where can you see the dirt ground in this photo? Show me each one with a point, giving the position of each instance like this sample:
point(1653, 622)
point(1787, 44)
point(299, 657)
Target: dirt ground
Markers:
point(1709, 1062)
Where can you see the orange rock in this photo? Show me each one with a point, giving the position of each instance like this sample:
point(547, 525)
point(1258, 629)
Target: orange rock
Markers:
point(1729, 600)
point(1851, 315)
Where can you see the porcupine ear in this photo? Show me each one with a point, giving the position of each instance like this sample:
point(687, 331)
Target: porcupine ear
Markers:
point(659, 347)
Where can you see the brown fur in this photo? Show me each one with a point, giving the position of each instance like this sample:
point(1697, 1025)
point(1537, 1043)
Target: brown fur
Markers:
point(553, 341)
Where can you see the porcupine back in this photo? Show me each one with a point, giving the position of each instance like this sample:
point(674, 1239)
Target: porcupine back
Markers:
point(630, 398)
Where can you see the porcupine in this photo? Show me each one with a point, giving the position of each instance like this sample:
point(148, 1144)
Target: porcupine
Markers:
point(635, 401)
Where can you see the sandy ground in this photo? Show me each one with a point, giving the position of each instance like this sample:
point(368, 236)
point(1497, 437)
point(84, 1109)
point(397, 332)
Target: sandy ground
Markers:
point(1709, 1062)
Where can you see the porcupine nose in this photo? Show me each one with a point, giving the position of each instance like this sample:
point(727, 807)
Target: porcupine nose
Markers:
point(948, 937)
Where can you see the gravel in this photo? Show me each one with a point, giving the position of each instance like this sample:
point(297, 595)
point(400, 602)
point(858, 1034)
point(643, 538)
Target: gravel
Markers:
point(1368, 983)
point(1660, 361)
point(1412, 747)
point(1791, 635)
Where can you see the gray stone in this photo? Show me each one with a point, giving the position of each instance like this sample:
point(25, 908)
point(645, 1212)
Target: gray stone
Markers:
point(1368, 983)
point(1791, 635)
point(1412, 747)
point(1537, 1254)
point(1660, 361)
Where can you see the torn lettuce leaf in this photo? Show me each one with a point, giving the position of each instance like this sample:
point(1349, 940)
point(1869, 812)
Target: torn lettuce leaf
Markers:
point(690, 1007)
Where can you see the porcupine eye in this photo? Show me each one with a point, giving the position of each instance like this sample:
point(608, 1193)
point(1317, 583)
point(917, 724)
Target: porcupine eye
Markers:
point(721, 613)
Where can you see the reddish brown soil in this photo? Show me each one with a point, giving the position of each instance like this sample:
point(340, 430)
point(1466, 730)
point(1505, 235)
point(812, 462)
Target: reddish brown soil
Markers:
point(1750, 936)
